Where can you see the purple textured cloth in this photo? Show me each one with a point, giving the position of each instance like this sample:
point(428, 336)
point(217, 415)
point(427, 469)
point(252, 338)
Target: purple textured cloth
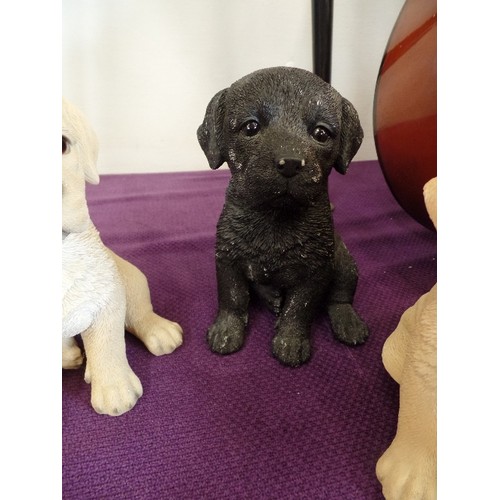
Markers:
point(243, 426)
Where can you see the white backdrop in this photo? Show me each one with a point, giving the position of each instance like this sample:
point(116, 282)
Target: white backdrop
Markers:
point(143, 71)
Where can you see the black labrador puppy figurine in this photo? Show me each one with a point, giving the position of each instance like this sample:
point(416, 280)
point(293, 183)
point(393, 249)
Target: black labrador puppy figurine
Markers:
point(281, 130)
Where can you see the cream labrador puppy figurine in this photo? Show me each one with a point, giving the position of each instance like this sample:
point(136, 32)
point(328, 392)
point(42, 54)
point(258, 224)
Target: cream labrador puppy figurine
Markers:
point(102, 293)
point(407, 469)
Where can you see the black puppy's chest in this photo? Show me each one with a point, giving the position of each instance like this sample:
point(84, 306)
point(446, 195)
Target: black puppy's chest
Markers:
point(274, 252)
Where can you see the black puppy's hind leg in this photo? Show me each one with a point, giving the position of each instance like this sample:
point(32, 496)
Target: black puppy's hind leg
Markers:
point(347, 326)
point(270, 295)
point(227, 334)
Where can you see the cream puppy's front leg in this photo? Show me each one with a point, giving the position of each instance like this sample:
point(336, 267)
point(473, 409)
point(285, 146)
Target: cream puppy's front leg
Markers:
point(158, 334)
point(407, 470)
point(115, 388)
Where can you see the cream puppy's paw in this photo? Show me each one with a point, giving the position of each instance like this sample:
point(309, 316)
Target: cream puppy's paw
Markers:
point(407, 472)
point(159, 335)
point(114, 393)
point(72, 357)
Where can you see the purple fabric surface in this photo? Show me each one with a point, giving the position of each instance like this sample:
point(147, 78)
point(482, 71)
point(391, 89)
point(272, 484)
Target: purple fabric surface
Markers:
point(244, 426)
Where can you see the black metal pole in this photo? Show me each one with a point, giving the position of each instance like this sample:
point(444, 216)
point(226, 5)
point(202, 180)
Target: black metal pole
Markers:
point(322, 20)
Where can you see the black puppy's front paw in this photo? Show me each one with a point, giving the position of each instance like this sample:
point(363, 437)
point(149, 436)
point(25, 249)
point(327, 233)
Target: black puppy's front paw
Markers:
point(227, 334)
point(347, 326)
point(291, 350)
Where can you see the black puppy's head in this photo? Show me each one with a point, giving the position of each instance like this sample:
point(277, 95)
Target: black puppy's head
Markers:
point(280, 130)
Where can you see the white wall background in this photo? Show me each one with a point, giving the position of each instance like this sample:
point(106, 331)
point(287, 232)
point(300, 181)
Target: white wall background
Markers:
point(143, 71)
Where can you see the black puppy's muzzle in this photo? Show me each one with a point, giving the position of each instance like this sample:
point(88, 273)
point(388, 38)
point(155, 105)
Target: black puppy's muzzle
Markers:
point(289, 167)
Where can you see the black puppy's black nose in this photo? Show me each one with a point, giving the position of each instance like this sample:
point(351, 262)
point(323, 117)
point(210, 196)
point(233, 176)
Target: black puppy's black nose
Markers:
point(288, 167)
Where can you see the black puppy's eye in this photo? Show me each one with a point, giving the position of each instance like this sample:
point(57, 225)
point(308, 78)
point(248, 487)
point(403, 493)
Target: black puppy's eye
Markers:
point(321, 134)
point(65, 145)
point(251, 128)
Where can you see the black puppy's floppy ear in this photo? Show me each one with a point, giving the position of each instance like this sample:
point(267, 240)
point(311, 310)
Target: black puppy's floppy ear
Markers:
point(351, 137)
point(210, 131)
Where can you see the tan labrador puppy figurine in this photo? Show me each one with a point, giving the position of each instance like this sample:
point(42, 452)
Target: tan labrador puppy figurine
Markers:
point(407, 469)
point(102, 293)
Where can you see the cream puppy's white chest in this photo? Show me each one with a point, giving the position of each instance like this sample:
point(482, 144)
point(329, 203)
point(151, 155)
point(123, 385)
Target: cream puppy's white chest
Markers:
point(90, 281)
